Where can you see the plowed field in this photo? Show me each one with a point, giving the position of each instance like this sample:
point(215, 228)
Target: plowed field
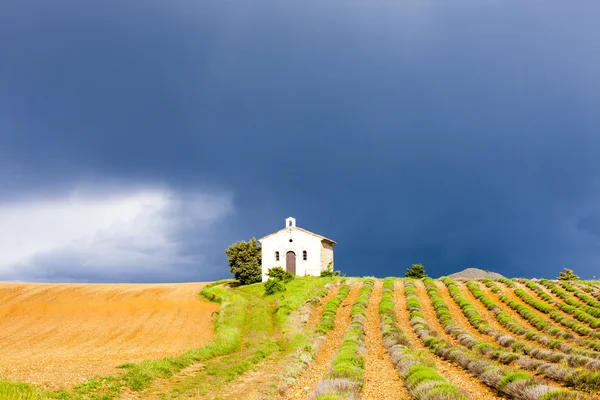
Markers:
point(60, 334)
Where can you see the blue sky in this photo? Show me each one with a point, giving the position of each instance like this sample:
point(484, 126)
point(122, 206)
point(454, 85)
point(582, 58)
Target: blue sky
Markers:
point(139, 138)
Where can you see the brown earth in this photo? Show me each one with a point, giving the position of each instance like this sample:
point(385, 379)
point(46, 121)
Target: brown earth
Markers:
point(381, 379)
point(534, 295)
point(57, 335)
point(490, 317)
point(458, 315)
point(310, 377)
point(509, 292)
point(259, 383)
point(556, 299)
point(455, 374)
point(516, 316)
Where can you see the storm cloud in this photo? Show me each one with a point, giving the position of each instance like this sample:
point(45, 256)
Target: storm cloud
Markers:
point(455, 135)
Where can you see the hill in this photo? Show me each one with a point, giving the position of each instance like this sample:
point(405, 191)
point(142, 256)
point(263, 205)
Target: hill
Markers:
point(475, 273)
point(321, 338)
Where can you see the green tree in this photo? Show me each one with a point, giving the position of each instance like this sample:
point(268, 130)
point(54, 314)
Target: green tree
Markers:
point(245, 261)
point(329, 272)
point(273, 286)
point(278, 277)
point(280, 274)
point(567, 275)
point(417, 271)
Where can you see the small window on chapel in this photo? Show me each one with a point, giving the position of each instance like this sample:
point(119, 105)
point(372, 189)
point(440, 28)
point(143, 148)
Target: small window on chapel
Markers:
point(276, 256)
point(304, 255)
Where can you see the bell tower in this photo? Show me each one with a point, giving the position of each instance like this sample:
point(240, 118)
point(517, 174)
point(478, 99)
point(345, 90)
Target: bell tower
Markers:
point(290, 222)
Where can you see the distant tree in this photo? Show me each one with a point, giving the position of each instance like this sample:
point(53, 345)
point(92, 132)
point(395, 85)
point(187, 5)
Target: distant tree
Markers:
point(567, 275)
point(417, 271)
point(245, 260)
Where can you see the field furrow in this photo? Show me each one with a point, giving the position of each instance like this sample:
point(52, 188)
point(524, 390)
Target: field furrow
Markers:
point(540, 300)
point(310, 377)
point(455, 374)
point(381, 378)
point(458, 315)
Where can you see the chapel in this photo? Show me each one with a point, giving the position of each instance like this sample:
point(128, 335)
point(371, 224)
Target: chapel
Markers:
point(297, 250)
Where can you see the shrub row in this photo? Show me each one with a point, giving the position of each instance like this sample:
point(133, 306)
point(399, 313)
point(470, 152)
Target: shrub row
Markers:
point(592, 309)
point(589, 288)
point(345, 379)
point(581, 295)
point(555, 315)
point(539, 323)
point(580, 378)
point(420, 377)
point(565, 353)
point(580, 311)
point(507, 340)
point(330, 310)
point(576, 289)
point(507, 282)
point(516, 384)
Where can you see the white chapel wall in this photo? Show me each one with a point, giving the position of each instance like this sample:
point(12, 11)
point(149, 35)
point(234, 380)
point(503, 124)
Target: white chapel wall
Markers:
point(301, 242)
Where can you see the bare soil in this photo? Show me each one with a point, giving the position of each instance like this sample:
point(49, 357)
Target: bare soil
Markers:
point(260, 382)
point(381, 379)
point(458, 315)
point(508, 292)
point(58, 335)
point(490, 317)
point(310, 377)
point(515, 315)
point(455, 374)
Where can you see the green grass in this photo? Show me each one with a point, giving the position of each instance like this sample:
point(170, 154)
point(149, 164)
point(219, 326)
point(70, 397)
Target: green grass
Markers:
point(268, 332)
point(18, 391)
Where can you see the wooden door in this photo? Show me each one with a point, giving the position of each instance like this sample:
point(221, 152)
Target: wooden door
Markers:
point(290, 262)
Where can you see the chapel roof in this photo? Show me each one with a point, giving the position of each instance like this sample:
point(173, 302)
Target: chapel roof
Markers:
point(294, 227)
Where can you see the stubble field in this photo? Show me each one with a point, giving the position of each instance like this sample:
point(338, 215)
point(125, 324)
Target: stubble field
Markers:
point(57, 335)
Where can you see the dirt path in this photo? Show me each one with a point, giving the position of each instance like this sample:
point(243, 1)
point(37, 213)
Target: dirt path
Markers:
point(458, 315)
point(381, 379)
point(261, 382)
point(455, 374)
point(60, 334)
point(310, 377)
point(316, 311)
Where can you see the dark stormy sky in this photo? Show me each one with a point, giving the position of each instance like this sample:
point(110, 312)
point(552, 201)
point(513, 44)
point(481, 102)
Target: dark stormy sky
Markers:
point(139, 138)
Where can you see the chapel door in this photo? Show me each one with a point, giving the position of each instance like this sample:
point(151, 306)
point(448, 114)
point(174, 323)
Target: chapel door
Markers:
point(290, 262)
